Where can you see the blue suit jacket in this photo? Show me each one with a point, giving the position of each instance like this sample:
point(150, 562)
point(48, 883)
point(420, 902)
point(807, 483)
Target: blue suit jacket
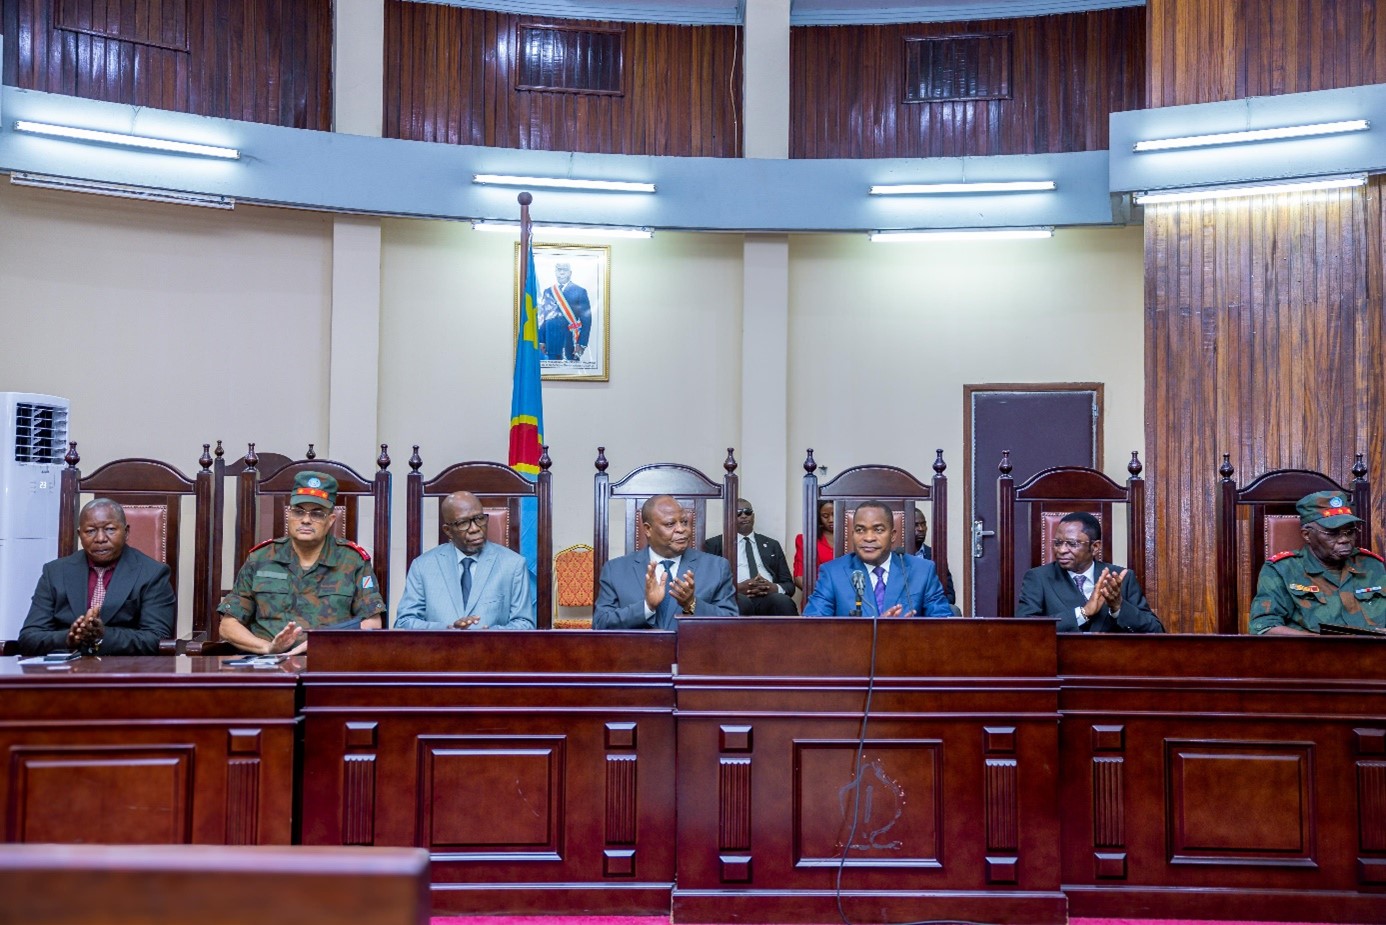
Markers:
point(911, 583)
point(621, 591)
point(502, 591)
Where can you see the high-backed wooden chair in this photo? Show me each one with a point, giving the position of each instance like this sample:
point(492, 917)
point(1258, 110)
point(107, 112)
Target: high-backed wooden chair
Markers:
point(1052, 494)
point(501, 491)
point(891, 484)
point(266, 464)
point(691, 487)
point(252, 487)
point(1267, 504)
point(152, 493)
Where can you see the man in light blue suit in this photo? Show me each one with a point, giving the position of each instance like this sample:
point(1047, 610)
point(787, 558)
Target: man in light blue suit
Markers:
point(644, 590)
point(874, 580)
point(467, 583)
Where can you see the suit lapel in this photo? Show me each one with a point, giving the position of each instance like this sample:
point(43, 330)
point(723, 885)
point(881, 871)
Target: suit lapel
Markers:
point(122, 583)
point(75, 584)
point(452, 576)
point(481, 572)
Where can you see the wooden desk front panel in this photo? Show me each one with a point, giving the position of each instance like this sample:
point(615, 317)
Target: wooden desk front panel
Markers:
point(134, 750)
point(958, 815)
point(1224, 777)
point(536, 768)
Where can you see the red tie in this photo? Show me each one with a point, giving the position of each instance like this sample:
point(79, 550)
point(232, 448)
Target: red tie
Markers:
point(98, 594)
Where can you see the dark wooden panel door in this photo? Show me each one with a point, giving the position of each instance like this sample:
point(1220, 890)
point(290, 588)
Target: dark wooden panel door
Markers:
point(1043, 425)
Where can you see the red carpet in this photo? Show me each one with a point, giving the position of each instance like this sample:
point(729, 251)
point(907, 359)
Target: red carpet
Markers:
point(664, 920)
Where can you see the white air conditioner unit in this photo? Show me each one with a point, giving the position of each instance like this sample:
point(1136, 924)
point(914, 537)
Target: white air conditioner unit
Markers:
point(34, 442)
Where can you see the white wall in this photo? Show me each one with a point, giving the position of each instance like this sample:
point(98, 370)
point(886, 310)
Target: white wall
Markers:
point(169, 326)
point(1059, 310)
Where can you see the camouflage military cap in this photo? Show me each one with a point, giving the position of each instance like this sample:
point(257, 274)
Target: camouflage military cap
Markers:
point(1328, 509)
point(314, 488)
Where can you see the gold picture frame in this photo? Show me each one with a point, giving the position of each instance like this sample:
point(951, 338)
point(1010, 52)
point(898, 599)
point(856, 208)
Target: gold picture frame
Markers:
point(574, 315)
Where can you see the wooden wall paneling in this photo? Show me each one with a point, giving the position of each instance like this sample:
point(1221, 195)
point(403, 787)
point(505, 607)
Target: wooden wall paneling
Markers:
point(1208, 50)
point(1067, 74)
point(260, 60)
point(1263, 325)
point(450, 76)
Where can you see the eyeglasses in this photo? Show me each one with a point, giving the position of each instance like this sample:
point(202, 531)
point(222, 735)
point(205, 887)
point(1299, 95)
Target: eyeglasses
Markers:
point(1069, 544)
point(744, 512)
point(1344, 530)
point(316, 514)
point(478, 521)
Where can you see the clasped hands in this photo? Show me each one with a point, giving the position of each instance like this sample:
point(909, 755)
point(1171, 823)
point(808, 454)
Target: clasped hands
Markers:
point(1106, 590)
point(680, 588)
point(756, 587)
point(86, 631)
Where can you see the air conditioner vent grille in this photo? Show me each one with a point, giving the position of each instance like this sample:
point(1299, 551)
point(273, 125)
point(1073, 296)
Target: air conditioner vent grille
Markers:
point(40, 433)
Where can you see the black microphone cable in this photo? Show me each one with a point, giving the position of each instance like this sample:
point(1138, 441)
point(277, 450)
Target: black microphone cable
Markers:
point(856, 771)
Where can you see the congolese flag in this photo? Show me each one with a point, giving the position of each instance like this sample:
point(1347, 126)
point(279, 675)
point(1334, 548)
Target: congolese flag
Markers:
point(526, 401)
point(527, 410)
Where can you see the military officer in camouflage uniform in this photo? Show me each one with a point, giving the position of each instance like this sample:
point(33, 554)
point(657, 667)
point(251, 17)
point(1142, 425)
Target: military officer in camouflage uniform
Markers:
point(1329, 580)
point(306, 580)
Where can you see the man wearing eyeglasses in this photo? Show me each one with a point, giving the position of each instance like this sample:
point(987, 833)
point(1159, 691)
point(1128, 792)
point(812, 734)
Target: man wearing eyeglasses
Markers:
point(467, 583)
point(306, 580)
point(1330, 579)
point(1085, 594)
point(107, 599)
point(764, 583)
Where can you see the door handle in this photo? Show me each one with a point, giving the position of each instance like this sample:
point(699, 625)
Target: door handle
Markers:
point(977, 534)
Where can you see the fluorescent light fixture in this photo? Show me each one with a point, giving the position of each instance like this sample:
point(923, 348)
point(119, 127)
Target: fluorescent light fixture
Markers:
point(925, 189)
point(609, 186)
point(566, 231)
point(1263, 189)
point(961, 234)
point(122, 191)
point(1260, 134)
point(129, 141)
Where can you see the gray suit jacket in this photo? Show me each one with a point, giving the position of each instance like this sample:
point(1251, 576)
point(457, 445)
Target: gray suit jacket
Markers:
point(502, 591)
point(621, 590)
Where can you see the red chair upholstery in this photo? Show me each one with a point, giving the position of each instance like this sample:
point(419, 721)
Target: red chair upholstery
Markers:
point(501, 491)
point(254, 487)
point(1257, 521)
point(691, 487)
point(152, 493)
point(890, 484)
point(266, 464)
point(572, 579)
point(1053, 494)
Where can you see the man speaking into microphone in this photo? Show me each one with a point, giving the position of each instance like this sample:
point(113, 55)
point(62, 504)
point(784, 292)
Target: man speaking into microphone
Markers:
point(874, 580)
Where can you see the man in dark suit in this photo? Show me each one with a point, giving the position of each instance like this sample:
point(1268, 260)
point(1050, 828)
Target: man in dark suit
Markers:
point(651, 587)
point(764, 585)
point(1084, 593)
point(566, 317)
point(108, 599)
point(875, 579)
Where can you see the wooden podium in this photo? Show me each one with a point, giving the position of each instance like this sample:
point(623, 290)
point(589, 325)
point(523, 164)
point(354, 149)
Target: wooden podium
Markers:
point(957, 816)
point(537, 768)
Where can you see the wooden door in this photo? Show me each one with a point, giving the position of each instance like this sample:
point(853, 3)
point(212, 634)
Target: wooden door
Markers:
point(1043, 425)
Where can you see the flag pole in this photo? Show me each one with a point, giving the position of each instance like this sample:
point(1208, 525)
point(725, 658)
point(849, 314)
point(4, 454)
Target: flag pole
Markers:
point(526, 232)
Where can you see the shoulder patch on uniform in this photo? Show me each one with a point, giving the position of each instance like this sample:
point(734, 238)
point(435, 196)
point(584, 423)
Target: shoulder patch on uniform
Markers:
point(1368, 552)
point(1282, 555)
point(354, 548)
point(261, 545)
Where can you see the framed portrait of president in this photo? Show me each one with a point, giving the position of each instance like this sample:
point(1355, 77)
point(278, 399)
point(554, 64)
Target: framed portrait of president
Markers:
point(573, 311)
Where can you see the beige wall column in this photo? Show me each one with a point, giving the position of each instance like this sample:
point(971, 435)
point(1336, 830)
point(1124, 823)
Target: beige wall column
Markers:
point(766, 119)
point(767, 478)
point(354, 361)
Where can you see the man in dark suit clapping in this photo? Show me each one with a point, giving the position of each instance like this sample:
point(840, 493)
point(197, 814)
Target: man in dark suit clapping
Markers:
point(1084, 593)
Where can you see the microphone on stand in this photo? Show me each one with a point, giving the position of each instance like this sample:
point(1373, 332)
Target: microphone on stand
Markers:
point(859, 585)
